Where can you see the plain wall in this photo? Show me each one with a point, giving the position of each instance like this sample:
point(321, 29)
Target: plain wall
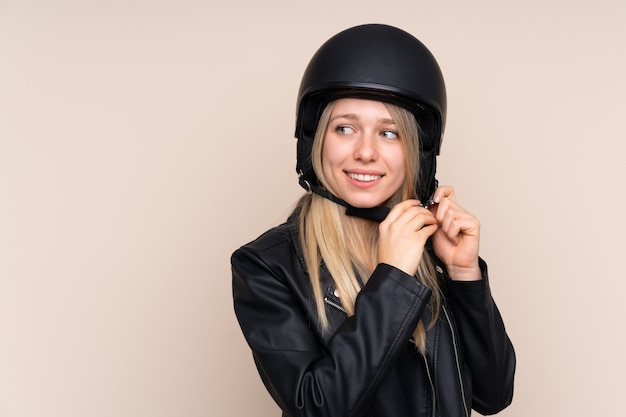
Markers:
point(141, 142)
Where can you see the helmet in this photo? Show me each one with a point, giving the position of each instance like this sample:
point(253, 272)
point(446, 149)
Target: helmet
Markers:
point(378, 62)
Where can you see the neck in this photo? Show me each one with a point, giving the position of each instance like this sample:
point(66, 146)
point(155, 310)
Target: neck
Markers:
point(361, 239)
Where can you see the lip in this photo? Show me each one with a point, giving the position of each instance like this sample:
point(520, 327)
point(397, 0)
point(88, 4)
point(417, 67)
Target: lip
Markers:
point(364, 178)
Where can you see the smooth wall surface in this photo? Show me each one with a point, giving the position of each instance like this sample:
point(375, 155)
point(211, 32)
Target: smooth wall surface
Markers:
point(141, 142)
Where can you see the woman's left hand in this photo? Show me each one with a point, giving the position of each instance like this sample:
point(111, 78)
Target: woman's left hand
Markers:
point(457, 238)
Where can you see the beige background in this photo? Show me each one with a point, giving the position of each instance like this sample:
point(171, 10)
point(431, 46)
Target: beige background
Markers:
point(141, 142)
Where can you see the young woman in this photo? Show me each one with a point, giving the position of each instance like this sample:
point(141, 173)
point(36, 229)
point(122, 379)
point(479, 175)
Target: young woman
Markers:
point(371, 299)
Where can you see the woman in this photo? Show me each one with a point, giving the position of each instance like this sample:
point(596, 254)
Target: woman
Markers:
point(371, 300)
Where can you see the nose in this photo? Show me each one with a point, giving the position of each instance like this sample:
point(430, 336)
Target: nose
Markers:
point(366, 148)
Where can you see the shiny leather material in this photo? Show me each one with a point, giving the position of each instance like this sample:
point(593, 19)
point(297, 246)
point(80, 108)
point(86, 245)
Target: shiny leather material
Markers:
point(366, 365)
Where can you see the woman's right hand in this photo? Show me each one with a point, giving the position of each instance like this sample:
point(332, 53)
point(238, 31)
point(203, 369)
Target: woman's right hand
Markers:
point(403, 234)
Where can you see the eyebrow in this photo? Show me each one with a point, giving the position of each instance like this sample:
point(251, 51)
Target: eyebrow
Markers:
point(352, 116)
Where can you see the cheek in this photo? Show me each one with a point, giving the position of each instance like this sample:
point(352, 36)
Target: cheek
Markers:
point(402, 168)
point(326, 161)
point(331, 155)
point(326, 169)
point(398, 164)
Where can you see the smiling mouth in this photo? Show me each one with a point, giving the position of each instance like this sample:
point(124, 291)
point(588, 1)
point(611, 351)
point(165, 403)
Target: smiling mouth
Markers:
point(364, 177)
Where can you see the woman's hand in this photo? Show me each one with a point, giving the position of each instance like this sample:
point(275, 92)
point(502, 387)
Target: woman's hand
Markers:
point(457, 238)
point(403, 234)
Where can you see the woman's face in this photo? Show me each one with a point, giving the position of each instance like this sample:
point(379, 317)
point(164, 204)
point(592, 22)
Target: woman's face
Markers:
point(362, 154)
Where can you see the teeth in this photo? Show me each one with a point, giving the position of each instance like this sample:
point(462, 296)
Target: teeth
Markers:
point(363, 177)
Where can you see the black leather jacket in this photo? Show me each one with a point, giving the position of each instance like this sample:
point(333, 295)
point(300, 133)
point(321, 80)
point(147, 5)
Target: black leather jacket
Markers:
point(367, 365)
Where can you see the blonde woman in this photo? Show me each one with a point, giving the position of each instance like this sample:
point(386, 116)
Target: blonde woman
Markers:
point(371, 299)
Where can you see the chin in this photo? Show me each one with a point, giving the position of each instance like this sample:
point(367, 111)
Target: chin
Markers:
point(364, 203)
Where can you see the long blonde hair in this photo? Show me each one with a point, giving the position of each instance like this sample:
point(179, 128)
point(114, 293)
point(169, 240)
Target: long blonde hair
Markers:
point(345, 244)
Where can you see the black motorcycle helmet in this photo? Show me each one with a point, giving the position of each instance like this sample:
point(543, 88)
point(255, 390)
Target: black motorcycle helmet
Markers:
point(379, 62)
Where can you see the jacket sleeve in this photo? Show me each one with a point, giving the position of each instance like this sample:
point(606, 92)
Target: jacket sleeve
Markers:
point(488, 352)
point(304, 376)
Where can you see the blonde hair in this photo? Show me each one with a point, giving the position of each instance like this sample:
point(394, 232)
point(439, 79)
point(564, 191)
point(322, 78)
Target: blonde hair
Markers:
point(345, 244)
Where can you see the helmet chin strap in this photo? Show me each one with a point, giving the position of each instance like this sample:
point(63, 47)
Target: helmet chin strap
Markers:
point(377, 214)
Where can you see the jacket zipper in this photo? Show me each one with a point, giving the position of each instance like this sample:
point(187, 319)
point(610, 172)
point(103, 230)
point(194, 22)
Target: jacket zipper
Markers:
point(456, 357)
point(334, 304)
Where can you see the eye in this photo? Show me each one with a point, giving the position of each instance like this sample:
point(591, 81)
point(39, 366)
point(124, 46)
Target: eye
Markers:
point(344, 130)
point(389, 134)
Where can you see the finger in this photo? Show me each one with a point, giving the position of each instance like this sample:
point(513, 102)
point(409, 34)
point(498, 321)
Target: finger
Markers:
point(443, 192)
point(428, 230)
point(420, 220)
point(460, 223)
point(441, 210)
point(399, 209)
point(410, 221)
point(447, 211)
point(449, 207)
